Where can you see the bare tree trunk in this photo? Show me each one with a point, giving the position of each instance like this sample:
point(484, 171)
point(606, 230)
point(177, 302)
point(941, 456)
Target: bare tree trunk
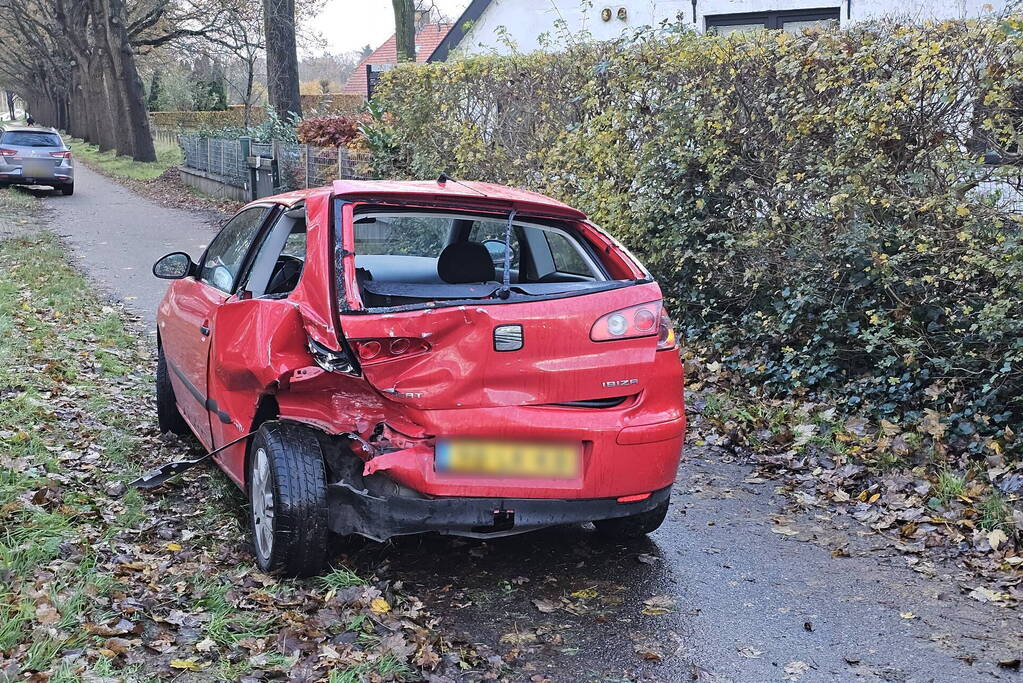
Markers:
point(124, 86)
point(281, 57)
point(405, 29)
point(250, 66)
point(101, 120)
point(10, 104)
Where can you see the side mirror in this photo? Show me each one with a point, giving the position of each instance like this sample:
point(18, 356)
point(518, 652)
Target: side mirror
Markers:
point(173, 266)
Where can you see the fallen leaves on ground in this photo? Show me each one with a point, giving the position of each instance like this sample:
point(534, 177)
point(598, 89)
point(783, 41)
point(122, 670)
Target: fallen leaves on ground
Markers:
point(966, 511)
point(149, 585)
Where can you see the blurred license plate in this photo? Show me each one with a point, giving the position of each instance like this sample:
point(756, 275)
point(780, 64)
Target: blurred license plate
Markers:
point(559, 461)
point(37, 169)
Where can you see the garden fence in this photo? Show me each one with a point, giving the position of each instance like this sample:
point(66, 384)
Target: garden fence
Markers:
point(294, 166)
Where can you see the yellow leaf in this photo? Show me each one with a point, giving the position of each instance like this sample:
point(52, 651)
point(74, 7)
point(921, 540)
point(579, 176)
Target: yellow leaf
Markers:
point(907, 615)
point(585, 594)
point(186, 664)
point(996, 538)
point(873, 498)
point(962, 211)
point(174, 546)
point(379, 606)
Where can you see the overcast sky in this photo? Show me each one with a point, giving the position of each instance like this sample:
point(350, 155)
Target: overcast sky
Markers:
point(349, 24)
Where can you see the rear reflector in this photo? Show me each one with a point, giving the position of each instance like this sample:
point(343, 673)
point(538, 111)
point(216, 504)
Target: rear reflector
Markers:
point(634, 499)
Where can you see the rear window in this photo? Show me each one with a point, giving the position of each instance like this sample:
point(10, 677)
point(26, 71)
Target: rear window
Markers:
point(26, 138)
point(410, 257)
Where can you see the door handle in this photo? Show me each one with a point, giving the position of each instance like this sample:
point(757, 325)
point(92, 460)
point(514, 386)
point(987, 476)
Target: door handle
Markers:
point(204, 329)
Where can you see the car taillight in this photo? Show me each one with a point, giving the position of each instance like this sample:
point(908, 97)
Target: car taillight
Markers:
point(61, 155)
point(8, 152)
point(628, 323)
point(665, 333)
point(386, 348)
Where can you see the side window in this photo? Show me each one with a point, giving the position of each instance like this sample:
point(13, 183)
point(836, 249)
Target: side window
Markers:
point(401, 235)
point(567, 258)
point(278, 264)
point(226, 254)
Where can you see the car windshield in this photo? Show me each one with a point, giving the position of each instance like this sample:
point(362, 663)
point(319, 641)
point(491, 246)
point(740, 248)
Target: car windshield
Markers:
point(27, 138)
point(412, 257)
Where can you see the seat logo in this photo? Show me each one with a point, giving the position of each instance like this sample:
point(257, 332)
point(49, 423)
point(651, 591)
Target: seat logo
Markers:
point(508, 338)
point(620, 383)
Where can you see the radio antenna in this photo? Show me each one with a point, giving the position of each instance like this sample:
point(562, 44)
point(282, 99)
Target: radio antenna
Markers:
point(444, 177)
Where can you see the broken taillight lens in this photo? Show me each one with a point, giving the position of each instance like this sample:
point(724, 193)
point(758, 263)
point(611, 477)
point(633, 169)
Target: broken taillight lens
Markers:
point(665, 333)
point(387, 348)
point(628, 323)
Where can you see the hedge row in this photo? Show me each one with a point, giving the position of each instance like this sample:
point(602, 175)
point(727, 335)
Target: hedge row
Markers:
point(816, 207)
point(312, 105)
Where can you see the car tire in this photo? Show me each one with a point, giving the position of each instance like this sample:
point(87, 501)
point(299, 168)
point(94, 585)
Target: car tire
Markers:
point(633, 526)
point(167, 416)
point(68, 190)
point(287, 488)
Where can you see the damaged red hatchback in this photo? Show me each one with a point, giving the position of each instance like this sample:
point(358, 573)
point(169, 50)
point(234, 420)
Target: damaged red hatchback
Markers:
point(422, 356)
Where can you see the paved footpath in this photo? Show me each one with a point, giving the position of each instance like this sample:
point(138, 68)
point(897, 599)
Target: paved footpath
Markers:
point(118, 235)
point(750, 604)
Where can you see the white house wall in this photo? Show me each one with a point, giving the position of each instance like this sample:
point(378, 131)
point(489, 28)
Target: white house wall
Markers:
point(525, 22)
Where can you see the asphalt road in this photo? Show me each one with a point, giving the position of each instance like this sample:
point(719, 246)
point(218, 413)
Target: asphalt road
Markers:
point(117, 236)
point(746, 603)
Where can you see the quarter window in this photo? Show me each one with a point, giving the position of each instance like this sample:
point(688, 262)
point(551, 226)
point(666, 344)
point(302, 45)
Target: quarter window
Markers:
point(226, 254)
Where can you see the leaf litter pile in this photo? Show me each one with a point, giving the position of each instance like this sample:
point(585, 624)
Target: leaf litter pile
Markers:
point(909, 487)
point(101, 582)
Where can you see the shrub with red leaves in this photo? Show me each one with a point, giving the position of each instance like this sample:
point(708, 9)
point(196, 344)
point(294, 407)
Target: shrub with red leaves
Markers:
point(329, 131)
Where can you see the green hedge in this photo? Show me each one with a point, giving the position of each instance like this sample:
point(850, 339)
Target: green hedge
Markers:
point(812, 205)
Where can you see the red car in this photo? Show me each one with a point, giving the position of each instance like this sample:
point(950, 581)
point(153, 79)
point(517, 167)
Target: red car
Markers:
point(440, 356)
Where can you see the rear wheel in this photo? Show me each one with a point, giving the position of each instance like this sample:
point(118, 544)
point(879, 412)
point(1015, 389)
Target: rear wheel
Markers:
point(68, 190)
point(287, 488)
point(167, 416)
point(633, 526)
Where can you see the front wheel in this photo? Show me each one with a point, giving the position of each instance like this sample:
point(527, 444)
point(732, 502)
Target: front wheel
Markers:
point(167, 416)
point(287, 488)
point(633, 526)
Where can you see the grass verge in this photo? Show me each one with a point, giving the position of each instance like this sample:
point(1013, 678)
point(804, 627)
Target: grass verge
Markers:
point(167, 157)
point(102, 582)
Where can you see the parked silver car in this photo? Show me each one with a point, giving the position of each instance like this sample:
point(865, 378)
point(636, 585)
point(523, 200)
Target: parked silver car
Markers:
point(31, 155)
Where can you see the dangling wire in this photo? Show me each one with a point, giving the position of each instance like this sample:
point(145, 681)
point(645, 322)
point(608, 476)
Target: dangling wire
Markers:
point(506, 276)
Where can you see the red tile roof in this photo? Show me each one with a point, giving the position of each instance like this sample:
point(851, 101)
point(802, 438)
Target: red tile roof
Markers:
point(427, 40)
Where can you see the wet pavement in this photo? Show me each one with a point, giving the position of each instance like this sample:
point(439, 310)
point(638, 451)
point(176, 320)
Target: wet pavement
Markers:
point(728, 589)
point(750, 604)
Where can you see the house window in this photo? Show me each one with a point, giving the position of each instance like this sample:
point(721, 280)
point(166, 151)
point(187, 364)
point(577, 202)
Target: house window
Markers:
point(793, 21)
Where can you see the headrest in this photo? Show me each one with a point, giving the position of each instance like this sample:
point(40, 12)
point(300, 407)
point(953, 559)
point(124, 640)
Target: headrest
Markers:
point(465, 262)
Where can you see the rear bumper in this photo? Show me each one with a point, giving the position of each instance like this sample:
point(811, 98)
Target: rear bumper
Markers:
point(12, 174)
point(381, 517)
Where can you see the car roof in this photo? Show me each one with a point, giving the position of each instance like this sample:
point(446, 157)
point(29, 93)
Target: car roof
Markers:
point(461, 194)
point(29, 129)
point(465, 193)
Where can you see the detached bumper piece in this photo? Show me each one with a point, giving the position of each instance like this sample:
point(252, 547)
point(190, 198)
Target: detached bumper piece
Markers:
point(359, 512)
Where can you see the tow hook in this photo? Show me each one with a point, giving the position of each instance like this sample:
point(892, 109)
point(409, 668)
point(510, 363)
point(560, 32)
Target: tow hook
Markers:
point(157, 477)
point(503, 520)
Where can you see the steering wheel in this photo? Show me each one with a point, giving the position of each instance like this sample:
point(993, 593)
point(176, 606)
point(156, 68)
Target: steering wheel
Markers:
point(285, 275)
